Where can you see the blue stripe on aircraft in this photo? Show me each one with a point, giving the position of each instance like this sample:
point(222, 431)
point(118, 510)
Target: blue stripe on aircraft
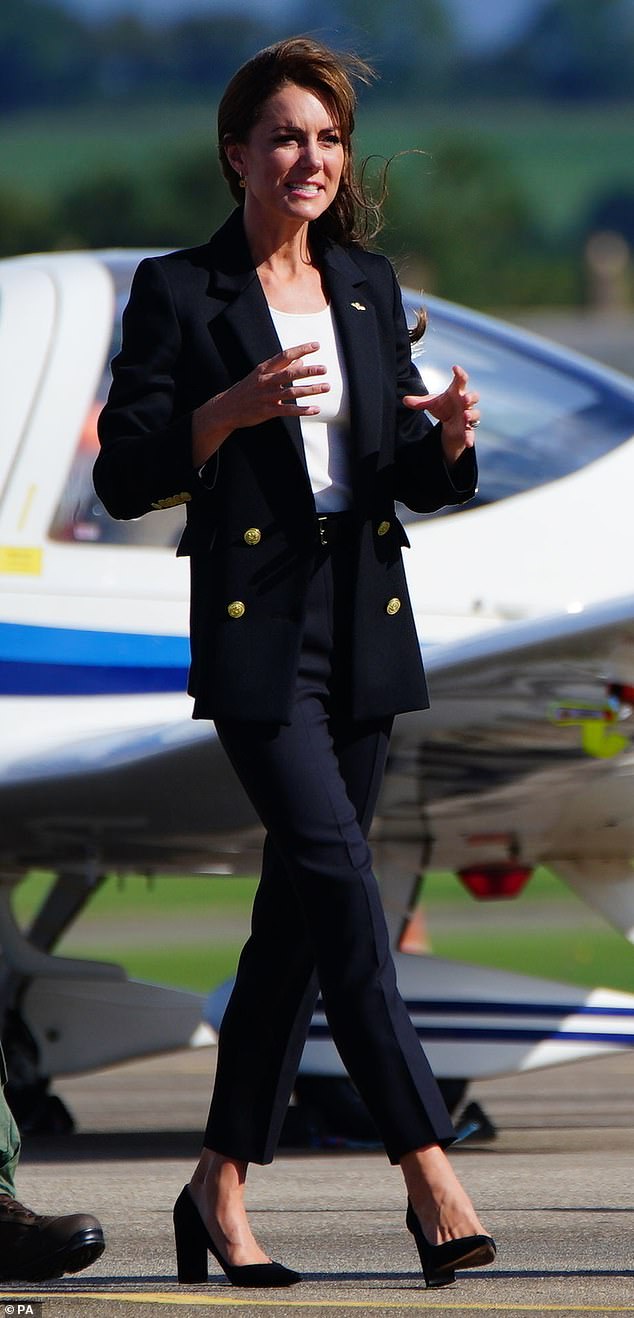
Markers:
point(55, 661)
point(469, 1007)
point(507, 1033)
point(437, 1007)
point(500, 1034)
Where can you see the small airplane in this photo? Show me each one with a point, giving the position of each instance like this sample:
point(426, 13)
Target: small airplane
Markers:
point(525, 610)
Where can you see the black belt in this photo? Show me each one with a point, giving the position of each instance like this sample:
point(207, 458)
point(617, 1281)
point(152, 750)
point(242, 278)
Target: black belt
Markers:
point(334, 528)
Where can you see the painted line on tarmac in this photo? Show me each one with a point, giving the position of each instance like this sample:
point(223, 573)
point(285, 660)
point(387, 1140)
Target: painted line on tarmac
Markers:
point(209, 1302)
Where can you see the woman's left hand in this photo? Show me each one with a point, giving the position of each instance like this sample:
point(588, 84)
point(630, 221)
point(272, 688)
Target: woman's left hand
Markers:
point(457, 410)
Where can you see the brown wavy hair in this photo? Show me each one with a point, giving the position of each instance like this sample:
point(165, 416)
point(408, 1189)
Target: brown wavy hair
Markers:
point(353, 217)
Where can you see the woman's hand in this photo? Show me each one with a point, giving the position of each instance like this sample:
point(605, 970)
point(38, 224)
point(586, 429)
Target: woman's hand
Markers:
point(457, 410)
point(268, 391)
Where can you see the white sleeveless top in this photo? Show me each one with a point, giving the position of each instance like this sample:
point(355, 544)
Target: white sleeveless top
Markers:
point(326, 436)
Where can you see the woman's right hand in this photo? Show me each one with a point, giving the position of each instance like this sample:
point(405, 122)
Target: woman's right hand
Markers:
point(268, 391)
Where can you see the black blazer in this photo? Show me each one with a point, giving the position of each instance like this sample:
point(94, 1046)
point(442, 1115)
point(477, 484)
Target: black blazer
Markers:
point(196, 322)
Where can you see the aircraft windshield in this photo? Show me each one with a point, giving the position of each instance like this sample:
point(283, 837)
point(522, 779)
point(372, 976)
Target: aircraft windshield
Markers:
point(543, 417)
point(80, 515)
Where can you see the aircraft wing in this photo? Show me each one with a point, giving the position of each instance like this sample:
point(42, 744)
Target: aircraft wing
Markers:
point(154, 790)
point(526, 721)
point(584, 644)
point(146, 786)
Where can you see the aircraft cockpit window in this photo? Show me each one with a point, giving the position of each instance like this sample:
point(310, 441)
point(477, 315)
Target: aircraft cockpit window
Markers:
point(543, 416)
point(80, 515)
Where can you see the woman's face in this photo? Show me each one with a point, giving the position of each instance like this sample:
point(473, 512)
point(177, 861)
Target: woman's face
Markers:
point(293, 159)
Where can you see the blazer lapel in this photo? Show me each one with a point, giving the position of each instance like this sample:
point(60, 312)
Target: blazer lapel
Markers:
point(355, 318)
point(241, 324)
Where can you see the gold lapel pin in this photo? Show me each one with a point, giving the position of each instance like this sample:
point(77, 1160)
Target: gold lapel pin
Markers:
point(358, 306)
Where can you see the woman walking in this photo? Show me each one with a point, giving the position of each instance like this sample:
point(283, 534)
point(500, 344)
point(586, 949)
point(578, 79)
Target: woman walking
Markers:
point(265, 380)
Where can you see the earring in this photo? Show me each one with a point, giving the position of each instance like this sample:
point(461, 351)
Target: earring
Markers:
point(242, 182)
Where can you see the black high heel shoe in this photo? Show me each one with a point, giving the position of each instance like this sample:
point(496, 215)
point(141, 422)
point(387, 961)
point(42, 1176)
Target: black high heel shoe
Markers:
point(440, 1261)
point(193, 1240)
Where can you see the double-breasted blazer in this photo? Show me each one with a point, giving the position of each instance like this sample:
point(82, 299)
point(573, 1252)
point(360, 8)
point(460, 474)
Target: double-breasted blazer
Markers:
point(197, 322)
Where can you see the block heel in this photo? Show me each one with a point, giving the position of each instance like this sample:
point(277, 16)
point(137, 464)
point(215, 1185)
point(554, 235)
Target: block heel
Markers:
point(193, 1241)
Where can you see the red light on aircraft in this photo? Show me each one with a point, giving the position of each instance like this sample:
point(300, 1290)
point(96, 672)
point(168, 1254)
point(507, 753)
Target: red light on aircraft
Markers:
point(498, 880)
point(622, 692)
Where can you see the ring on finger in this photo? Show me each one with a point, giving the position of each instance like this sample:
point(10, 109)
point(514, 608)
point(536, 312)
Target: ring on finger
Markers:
point(472, 424)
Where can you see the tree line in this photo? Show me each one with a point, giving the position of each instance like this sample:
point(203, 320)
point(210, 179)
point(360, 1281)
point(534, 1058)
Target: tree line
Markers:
point(573, 49)
point(470, 234)
point(460, 224)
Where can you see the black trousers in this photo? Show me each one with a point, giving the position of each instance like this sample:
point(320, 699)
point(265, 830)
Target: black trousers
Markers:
point(318, 922)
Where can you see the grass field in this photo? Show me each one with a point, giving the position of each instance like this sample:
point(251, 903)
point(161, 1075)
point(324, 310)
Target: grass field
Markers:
point(561, 157)
point(188, 932)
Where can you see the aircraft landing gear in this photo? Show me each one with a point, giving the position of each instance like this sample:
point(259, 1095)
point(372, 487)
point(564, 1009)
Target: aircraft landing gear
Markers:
point(36, 1111)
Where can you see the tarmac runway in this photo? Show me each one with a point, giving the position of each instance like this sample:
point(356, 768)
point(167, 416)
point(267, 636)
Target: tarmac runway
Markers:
point(556, 1188)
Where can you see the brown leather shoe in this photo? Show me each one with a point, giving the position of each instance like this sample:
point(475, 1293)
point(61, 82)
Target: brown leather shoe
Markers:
point(34, 1248)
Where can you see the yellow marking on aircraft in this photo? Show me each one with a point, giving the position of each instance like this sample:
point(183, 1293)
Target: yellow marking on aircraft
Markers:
point(21, 559)
point(595, 720)
point(26, 506)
